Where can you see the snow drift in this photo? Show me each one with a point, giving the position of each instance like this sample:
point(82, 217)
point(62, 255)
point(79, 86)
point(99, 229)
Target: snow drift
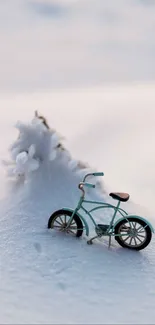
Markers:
point(38, 144)
point(44, 273)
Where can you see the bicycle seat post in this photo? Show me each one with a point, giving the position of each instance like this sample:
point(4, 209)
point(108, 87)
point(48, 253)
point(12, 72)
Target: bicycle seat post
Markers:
point(115, 212)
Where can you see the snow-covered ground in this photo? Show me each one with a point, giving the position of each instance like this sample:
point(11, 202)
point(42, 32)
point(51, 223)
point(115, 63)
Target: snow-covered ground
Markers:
point(48, 277)
point(89, 67)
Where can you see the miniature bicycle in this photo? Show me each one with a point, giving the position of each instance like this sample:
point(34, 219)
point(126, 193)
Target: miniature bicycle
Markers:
point(130, 231)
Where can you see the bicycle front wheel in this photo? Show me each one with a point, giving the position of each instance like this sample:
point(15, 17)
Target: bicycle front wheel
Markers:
point(59, 220)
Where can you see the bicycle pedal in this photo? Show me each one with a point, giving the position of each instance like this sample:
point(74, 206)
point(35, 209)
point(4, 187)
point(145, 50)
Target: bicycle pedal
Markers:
point(89, 242)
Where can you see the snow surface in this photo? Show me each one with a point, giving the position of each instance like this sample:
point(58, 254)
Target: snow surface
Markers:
point(52, 278)
point(57, 57)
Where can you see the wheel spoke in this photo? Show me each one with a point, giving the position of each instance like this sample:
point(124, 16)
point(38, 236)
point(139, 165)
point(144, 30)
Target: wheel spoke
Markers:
point(135, 240)
point(58, 222)
point(54, 226)
point(73, 223)
point(141, 232)
point(133, 224)
point(130, 240)
point(61, 220)
point(126, 239)
point(141, 241)
point(140, 229)
point(140, 236)
point(72, 232)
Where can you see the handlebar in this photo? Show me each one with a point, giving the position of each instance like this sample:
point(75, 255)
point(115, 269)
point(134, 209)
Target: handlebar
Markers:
point(83, 183)
point(86, 184)
point(98, 174)
point(93, 174)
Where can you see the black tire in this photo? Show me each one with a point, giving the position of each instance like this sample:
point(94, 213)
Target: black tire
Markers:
point(59, 214)
point(123, 241)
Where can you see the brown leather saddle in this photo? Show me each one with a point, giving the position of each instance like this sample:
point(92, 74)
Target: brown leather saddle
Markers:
point(124, 197)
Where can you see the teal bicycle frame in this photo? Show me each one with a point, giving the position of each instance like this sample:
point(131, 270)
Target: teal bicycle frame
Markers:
point(100, 205)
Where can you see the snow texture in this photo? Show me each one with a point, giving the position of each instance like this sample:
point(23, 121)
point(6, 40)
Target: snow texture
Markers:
point(38, 144)
point(52, 278)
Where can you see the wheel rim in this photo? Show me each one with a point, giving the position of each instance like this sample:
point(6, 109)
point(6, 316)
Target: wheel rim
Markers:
point(132, 234)
point(60, 223)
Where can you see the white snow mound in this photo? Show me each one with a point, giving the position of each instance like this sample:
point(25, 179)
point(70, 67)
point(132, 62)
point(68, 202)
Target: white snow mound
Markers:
point(36, 144)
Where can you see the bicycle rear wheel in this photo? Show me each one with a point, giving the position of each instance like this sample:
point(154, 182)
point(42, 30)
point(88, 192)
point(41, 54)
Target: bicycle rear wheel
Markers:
point(133, 233)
